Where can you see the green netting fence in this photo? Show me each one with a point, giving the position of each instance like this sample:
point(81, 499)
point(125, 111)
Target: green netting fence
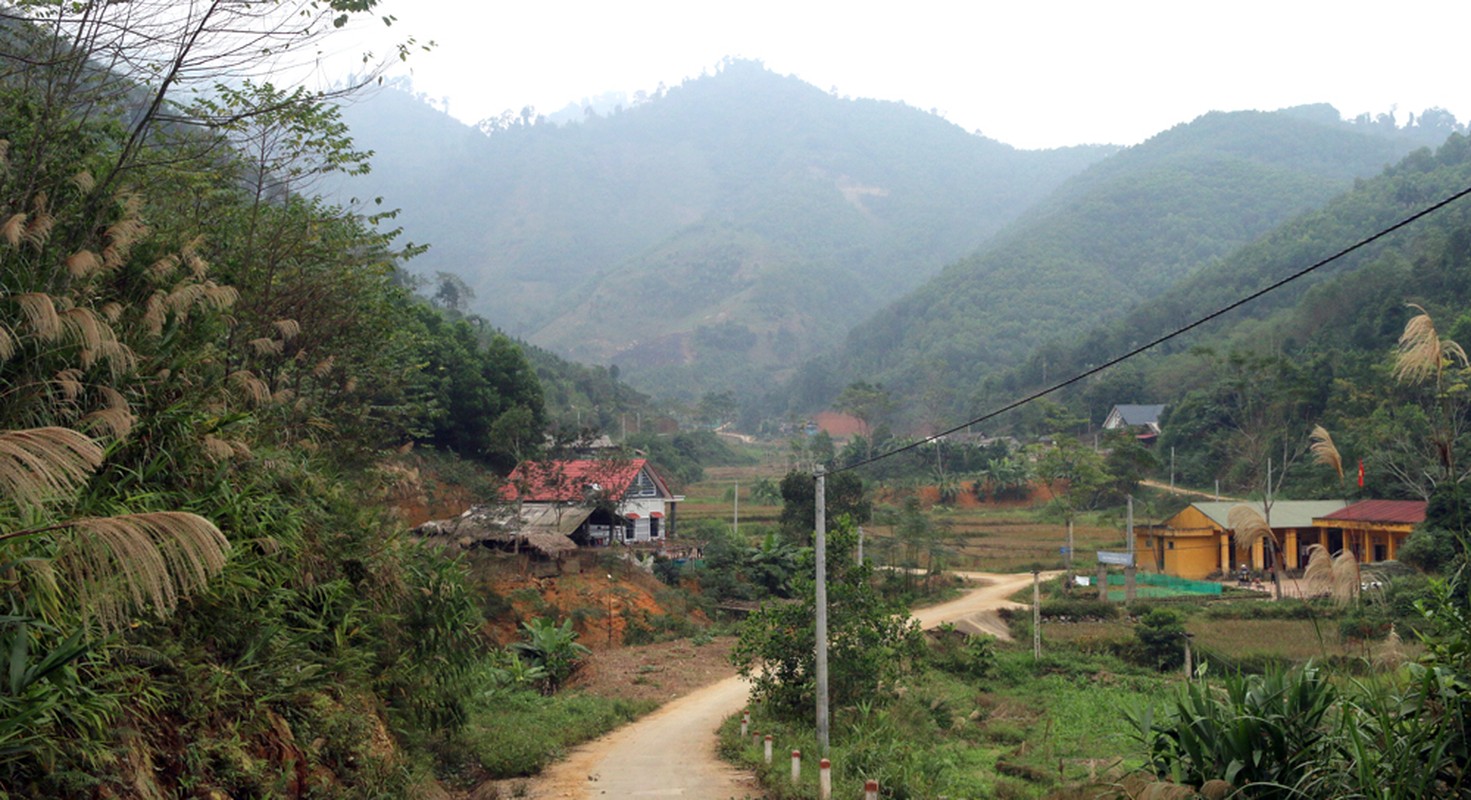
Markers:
point(1153, 584)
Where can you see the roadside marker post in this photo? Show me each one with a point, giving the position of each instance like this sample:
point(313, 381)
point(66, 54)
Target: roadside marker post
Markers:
point(745, 723)
point(871, 790)
point(796, 766)
point(768, 748)
point(824, 779)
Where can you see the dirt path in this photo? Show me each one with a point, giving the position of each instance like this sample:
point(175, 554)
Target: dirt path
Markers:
point(671, 753)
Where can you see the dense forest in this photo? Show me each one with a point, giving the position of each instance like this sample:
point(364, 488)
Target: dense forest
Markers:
point(207, 373)
point(1315, 352)
point(1111, 239)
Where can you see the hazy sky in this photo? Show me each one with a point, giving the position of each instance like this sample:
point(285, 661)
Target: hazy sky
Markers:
point(1031, 74)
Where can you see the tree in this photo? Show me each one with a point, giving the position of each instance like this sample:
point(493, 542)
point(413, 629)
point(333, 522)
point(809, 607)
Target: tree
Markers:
point(845, 497)
point(871, 403)
point(871, 641)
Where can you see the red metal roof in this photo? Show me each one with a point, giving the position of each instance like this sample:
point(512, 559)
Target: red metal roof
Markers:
point(1402, 512)
point(571, 481)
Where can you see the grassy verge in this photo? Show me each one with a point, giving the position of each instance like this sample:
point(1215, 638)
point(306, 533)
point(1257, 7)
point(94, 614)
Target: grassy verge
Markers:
point(1029, 729)
point(515, 734)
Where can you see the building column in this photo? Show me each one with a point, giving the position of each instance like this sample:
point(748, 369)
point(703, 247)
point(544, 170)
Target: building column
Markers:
point(1225, 553)
point(1289, 548)
point(1258, 560)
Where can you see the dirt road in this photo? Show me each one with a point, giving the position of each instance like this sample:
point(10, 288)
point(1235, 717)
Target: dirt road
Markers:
point(671, 753)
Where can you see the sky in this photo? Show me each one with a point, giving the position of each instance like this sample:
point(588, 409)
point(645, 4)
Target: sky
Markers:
point(1030, 73)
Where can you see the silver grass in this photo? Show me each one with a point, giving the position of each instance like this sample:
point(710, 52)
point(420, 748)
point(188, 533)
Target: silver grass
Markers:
point(265, 346)
point(119, 566)
point(255, 390)
point(83, 264)
point(1249, 525)
point(1422, 353)
point(13, 230)
point(164, 267)
point(8, 343)
point(38, 230)
point(84, 181)
point(38, 465)
point(40, 314)
point(287, 329)
point(1324, 451)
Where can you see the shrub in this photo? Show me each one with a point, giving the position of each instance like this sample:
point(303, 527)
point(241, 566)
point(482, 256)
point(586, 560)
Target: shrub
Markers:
point(1161, 634)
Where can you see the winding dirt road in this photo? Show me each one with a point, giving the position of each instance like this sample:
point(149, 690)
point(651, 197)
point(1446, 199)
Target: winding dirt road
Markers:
point(671, 753)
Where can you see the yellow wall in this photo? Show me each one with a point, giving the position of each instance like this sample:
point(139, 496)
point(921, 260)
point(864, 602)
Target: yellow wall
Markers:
point(1194, 554)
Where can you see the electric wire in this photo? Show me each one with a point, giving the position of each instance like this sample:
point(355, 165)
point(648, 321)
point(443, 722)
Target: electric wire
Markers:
point(1166, 337)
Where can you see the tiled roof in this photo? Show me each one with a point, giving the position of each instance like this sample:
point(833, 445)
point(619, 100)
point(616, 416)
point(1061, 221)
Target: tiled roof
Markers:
point(572, 481)
point(1403, 512)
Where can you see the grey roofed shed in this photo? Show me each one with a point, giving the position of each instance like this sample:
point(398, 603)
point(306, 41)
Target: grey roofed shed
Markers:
point(543, 529)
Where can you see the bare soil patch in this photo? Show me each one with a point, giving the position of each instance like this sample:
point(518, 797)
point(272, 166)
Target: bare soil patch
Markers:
point(658, 672)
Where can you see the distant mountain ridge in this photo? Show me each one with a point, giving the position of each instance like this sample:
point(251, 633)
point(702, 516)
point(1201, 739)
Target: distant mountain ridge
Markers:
point(1109, 240)
point(708, 238)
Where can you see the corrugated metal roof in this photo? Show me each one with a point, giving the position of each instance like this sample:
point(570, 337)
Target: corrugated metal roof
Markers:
point(1284, 513)
point(1139, 414)
point(1401, 512)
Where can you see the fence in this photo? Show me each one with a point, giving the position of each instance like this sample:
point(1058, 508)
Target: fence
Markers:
point(1153, 584)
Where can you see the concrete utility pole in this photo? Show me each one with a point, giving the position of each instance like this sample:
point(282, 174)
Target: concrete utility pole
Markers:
point(1036, 615)
point(736, 514)
point(821, 555)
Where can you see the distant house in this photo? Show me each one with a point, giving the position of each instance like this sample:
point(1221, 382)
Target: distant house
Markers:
point(612, 501)
point(1373, 530)
point(1199, 541)
point(1142, 420)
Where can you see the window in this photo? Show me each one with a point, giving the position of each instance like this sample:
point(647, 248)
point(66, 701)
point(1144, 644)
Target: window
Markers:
point(643, 486)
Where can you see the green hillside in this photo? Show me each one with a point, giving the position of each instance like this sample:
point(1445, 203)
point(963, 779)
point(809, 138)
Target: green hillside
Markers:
point(1115, 237)
point(741, 217)
point(1252, 384)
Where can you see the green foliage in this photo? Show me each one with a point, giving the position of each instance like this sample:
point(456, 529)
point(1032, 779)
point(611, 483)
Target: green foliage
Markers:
point(871, 641)
point(685, 455)
point(517, 733)
point(1039, 294)
point(1161, 635)
point(1265, 730)
point(553, 648)
point(252, 377)
point(963, 654)
point(845, 497)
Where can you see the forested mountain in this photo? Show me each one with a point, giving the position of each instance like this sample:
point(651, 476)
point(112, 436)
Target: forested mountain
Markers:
point(1111, 239)
point(713, 234)
point(1251, 385)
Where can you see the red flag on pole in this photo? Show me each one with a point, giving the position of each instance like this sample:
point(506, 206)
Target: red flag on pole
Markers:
point(1361, 473)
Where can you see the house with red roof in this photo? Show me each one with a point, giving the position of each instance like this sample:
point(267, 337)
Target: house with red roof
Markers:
point(600, 501)
point(1373, 530)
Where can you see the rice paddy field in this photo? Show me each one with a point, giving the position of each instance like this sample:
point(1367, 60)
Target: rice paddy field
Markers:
point(980, 537)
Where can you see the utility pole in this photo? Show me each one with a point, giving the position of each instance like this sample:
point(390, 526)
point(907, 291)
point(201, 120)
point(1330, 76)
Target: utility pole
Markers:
point(821, 555)
point(1036, 615)
point(736, 520)
point(1172, 468)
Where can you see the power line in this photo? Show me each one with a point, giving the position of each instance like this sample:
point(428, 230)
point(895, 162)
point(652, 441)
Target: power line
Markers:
point(1166, 337)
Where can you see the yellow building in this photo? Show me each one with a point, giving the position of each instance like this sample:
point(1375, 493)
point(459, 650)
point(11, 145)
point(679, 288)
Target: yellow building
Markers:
point(1372, 530)
point(1198, 541)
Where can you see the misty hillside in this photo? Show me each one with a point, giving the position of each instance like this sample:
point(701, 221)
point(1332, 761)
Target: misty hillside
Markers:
point(719, 232)
point(1111, 239)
